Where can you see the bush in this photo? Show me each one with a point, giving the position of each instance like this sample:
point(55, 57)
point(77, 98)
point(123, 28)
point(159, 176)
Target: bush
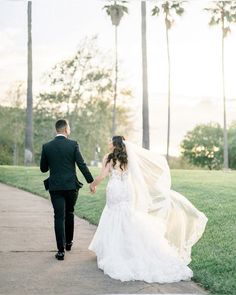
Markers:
point(5, 155)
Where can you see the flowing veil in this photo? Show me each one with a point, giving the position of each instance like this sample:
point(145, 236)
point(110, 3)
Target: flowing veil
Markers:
point(150, 179)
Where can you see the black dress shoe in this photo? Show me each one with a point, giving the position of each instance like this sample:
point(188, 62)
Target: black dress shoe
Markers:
point(60, 255)
point(68, 246)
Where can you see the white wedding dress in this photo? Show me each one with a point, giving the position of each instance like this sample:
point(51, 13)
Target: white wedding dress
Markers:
point(133, 242)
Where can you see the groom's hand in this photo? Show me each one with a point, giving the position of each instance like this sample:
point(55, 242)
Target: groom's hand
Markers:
point(92, 188)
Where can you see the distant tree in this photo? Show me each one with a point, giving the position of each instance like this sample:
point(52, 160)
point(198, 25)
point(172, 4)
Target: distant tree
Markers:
point(169, 8)
point(29, 109)
point(93, 126)
point(15, 96)
point(116, 10)
point(81, 89)
point(6, 140)
point(232, 145)
point(203, 146)
point(12, 125)
point(87, 73)
point(223, 13)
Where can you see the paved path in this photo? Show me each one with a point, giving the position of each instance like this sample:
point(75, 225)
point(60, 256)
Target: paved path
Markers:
point(27, 248)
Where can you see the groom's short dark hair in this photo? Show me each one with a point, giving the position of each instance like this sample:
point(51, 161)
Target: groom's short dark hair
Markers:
point(60, 124)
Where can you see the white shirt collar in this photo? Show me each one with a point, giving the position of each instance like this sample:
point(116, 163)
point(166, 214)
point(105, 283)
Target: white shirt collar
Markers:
point(59, 134)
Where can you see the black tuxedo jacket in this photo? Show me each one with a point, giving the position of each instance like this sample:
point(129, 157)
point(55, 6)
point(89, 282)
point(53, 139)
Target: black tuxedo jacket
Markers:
point(59, 156)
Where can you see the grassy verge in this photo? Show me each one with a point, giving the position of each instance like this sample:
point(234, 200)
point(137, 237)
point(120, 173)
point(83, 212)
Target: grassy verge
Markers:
point(213, 192)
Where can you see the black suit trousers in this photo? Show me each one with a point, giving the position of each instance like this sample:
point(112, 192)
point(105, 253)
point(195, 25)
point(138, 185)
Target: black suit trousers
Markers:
point(63, 204)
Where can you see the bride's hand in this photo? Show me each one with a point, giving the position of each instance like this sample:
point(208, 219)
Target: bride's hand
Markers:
point(92, 188)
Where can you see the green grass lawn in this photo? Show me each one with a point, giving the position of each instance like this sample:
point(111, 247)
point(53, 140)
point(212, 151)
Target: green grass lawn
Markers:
point(213, 192)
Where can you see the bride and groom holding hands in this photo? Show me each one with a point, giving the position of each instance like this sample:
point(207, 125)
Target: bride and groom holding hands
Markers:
point(146, 230)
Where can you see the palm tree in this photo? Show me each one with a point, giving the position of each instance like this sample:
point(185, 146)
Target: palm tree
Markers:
point(223, 13)
point(169, 8)
point(145, 79)
point(29, 110)
point(116, 12)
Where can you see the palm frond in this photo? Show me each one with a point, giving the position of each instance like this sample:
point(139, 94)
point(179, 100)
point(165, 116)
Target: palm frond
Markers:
point(222, 11)
point(155, 10)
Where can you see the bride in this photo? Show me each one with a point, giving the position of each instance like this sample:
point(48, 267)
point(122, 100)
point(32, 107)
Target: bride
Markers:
point(146, 230)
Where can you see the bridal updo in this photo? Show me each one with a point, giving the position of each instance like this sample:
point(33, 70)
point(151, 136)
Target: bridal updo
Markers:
point(119, 152)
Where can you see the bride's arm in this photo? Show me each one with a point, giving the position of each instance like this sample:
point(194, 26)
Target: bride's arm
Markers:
point(103, 173)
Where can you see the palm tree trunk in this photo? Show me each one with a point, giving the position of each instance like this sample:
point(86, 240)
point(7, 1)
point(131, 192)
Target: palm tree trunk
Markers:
point(226, 156)
point(115, 86)
point(29, 111)
point(168, 116)
point(145, 79)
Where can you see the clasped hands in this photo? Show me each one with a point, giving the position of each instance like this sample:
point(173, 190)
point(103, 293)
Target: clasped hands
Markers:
point(92, 188)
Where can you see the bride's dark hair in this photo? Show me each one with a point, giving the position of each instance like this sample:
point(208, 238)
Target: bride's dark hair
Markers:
point(119, 153)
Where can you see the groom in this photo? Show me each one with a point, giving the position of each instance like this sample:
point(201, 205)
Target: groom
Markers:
point(59, 156)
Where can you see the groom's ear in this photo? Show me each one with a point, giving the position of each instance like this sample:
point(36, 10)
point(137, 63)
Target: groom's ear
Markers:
point(68, 129)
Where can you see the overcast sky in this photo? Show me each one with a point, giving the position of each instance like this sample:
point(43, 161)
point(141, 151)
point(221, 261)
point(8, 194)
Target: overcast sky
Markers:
point(59, 25)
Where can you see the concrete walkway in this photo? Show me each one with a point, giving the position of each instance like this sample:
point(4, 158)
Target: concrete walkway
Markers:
point(27, 249)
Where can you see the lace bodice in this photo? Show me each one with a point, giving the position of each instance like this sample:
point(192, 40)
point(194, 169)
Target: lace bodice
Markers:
point(118, 174)
point(118, 191)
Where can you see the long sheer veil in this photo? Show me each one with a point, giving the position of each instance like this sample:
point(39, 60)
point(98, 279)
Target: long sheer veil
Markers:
point(149, 176)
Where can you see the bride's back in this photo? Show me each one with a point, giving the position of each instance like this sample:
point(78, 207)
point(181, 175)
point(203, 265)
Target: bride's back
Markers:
point(118, 188)
point(118, 167)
